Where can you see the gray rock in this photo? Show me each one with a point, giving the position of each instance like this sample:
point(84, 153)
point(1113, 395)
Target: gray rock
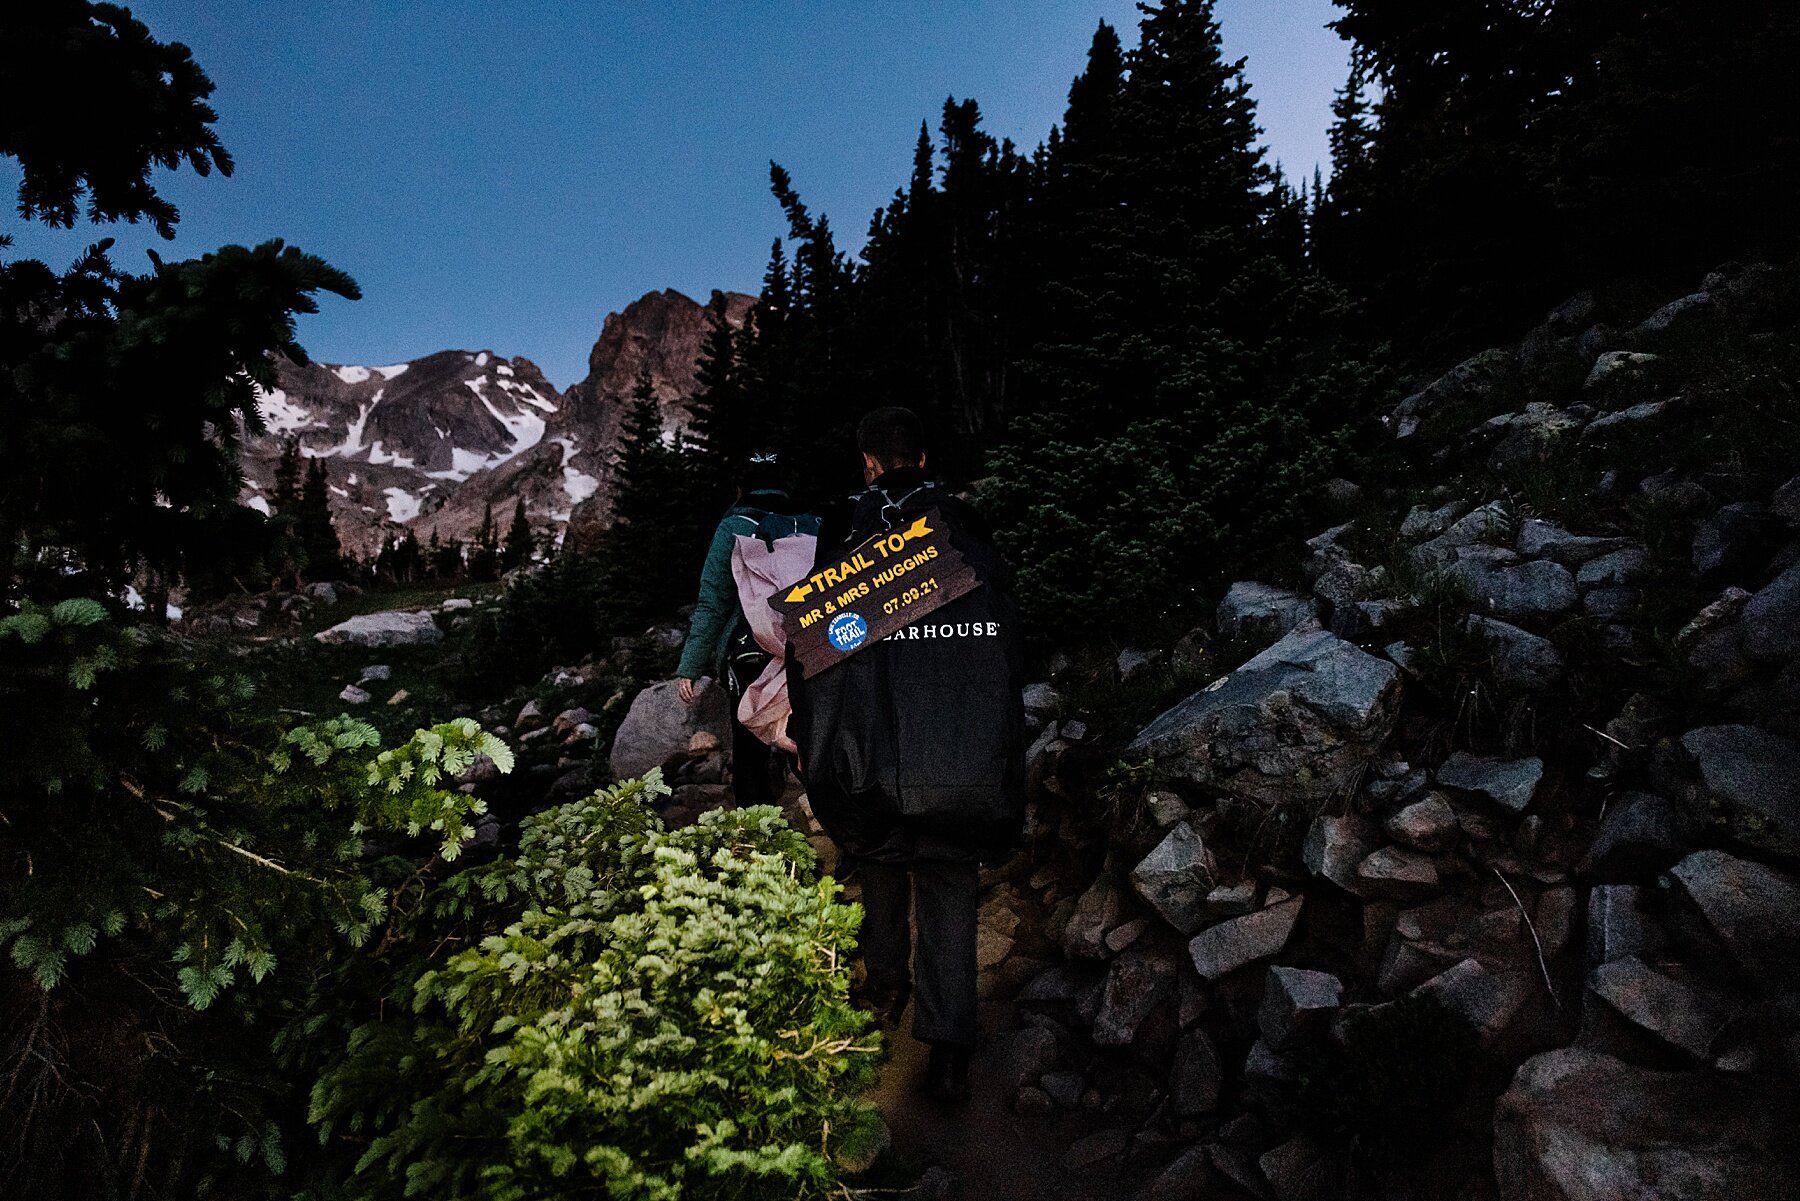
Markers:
point(1785, 504)
point(1488, 1002)
point(1612, 604)
point(1676, 493)
point(1100, 908)
point(1751, 907)
point(1362, 620)
point(569, 719)
point(1689, 314)
point(1771, 619)
point(1509, 783)
point(456, 604)
point(1736, 542)
point(1292, 726)
point(1041, 700)
point(1627, 565)
point(1396, 874)
point(1576, 1125)
point(1136, 984)
point(1665, 1007)
point(1165, 808)
point(1327, 549)
point(1533, 591)
point(1529, 436)
point(1477, 377)
point(1123, 936)
point(1540, 539)
point(1619, 924)
point(1064, 1088)
point(1486, 524)
point(1638, 421)
point(1196, 1077)
point(1030, 1053)
point(1097, 1148)
point(658, 726)
point(1521, 661)
point(1296, 1003)
point(1231, 944)
point(352, 695)
point(1334, 847)
point(1133, 663)
point(1262, 612)
point(1299, 1170)
point(1427, 825)
point(1423, 521)
point(323, 591)
point(373, 631)
point(1271, 1076)
point(1615, 365)
point(1175, 877)
point(1638, 839)
point(376, 671)
point(1188, 1175)
point(1231, 900)
point(531, 717)
point(1754, 777)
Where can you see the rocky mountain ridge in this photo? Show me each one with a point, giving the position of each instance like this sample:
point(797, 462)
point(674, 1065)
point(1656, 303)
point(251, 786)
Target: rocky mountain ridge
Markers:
point(431, 443)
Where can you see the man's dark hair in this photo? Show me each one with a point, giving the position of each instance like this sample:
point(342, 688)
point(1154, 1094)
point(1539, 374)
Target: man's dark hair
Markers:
point(763, 471)
point(894, 436)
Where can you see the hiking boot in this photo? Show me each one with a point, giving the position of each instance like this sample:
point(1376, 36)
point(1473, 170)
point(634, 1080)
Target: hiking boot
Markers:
point(947, 1073)
point(887, 1004)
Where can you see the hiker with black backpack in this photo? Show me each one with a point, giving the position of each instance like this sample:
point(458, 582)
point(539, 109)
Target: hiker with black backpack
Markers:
point(904, 671)
point(763, 541)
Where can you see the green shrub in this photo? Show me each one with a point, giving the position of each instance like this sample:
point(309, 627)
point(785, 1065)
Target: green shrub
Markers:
point(667, 1016)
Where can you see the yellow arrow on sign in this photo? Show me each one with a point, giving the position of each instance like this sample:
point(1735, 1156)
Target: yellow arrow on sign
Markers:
point(799, 592)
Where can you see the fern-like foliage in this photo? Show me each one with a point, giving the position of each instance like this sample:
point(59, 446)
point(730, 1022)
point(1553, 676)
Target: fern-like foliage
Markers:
point(667, 1016)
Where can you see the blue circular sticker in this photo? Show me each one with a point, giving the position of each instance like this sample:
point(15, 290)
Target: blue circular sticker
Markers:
point(847, 631)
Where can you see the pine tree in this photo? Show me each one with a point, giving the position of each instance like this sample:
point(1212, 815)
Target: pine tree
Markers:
point(718, 413)
point(484, 554)
point(324, 553)
point(286, 493)
point(520, 543)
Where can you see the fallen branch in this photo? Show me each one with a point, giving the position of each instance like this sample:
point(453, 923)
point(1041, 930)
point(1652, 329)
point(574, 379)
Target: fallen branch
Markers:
point(1543, 963)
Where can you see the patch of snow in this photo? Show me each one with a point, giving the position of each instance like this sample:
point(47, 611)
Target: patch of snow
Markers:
point(481, 359)
point(561, 518)
point(340, 491)
point(353, 435)
point(381, 458)
point(280, 413)
point(526, 393)
point(576, 482)
point(260, 505)
point(527, 429)
point(391, 372)
point(351, 478)
point(402, 505)
point(368, 508)
point(351, 375)
point(503, 369)
point(134, 600)
point(463, 464)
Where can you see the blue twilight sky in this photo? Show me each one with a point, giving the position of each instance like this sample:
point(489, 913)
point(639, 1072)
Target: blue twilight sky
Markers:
point(499, 174)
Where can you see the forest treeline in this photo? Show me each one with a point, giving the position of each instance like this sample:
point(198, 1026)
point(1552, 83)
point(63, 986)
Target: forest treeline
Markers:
point(1148, 345)
point(1140, 343)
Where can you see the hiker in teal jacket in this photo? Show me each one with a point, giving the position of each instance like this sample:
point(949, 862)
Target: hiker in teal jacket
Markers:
point(719, 642)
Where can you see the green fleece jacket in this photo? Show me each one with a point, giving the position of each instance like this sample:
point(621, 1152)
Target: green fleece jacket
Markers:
point(717, 612)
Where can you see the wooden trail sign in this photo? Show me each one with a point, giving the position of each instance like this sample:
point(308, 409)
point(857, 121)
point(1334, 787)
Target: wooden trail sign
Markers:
point(883, 584)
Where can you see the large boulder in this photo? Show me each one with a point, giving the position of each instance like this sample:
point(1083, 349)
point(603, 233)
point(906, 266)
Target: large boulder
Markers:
point(1263, 612)
point(1771, 619)
point(1509, 783)
point(1536, 590)
point(1580, 1126)
point(1749, 775)
point(375, 630)
point(1221, 949)
point(1175, 877)
point(659, 726)
point(1293, 725)
point(1683, 1017)
point(1751, 907)
point(1521, 661)
point(1476, 379)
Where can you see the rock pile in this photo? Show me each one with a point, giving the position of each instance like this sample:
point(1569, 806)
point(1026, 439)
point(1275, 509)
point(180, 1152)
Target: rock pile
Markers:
point(1454, 777)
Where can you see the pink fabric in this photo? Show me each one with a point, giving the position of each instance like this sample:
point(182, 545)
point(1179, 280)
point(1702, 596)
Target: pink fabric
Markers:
point(759, 574)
